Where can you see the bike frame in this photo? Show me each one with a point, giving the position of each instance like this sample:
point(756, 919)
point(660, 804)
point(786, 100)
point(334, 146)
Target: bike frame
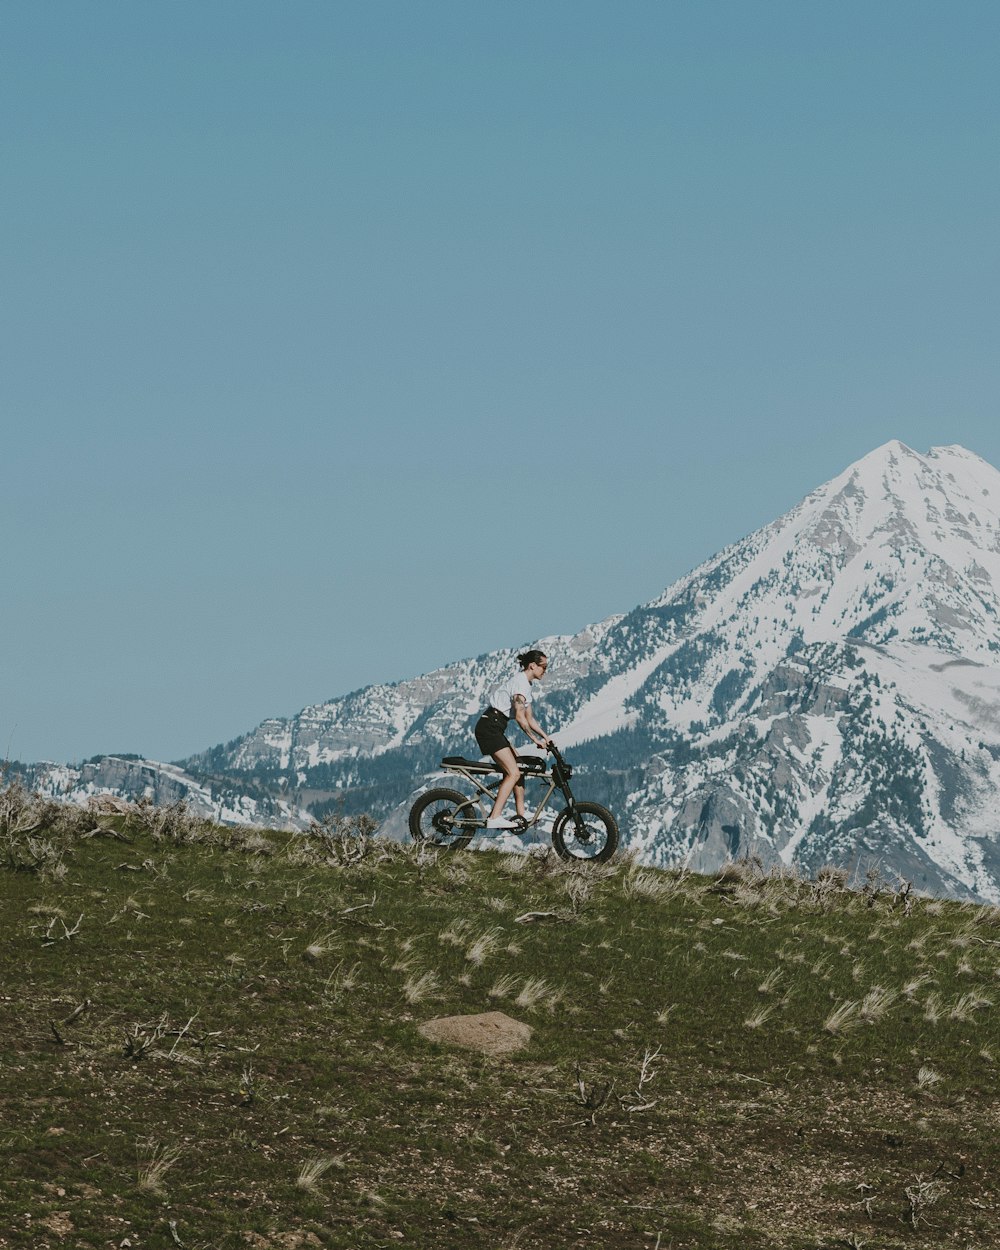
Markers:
point(556, 781)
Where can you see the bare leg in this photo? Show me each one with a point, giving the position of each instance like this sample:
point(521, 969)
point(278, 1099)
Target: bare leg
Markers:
point(511, 776)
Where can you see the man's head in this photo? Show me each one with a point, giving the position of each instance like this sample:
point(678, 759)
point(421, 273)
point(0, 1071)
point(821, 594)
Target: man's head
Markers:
point(534, 663)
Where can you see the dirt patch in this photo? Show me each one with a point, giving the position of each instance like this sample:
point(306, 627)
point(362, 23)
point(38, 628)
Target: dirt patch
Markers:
point(493, 1032)
point(282, 1241)
point(59, 1223)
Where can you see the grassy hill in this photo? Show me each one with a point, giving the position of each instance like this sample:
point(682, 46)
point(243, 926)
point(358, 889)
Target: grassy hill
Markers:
point(209, 1038)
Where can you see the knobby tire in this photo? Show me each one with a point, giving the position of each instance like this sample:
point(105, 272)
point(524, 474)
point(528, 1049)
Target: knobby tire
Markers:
point(433, 807)
point(598, 840)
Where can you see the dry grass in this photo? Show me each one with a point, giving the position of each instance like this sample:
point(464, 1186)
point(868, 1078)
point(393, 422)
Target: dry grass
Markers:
point(536, 992)
point(758, 1018)
point(639, 883)
point(843, 1017)
point(933, 1008)
point(966, 1006)
point(417, 989)
point(876, 1003)
point(503, 987)
point(313, 1171)
point(154, 1162)
point(483, 946)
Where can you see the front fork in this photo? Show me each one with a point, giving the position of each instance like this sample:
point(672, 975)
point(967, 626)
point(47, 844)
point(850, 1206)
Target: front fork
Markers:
point(567, 794)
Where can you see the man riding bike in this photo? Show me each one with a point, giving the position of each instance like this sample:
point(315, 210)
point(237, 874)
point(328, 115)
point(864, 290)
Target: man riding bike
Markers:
point(511, 699)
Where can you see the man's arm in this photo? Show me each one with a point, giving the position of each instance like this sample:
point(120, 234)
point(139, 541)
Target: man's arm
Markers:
point(524, 717)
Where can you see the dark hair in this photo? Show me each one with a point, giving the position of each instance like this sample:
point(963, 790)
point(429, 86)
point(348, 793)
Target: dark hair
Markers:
point(531, 657)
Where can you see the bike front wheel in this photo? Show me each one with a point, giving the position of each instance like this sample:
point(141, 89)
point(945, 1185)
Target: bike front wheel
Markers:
point(585, 831)
point(436, 817)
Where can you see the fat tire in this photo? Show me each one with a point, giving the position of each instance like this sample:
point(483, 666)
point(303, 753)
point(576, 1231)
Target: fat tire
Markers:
point(564, 828)
point(420, 821)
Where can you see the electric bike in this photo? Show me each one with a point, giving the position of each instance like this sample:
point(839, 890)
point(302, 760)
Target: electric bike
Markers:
point(450, 819)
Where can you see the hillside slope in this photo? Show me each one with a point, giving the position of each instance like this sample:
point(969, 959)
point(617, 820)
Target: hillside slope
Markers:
point(210, 1039)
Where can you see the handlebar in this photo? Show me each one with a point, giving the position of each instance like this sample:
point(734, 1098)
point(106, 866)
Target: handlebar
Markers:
point(560, 770)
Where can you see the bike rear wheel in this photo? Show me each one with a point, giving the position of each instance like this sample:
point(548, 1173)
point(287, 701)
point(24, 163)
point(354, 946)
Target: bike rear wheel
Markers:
point(433, 817)
point(587, 831)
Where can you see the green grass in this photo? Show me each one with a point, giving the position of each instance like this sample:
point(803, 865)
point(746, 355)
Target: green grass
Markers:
point(821, 1065)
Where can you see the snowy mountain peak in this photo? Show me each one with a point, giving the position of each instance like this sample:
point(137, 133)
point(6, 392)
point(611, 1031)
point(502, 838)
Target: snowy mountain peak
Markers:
point(883, 579)
point(898, 545)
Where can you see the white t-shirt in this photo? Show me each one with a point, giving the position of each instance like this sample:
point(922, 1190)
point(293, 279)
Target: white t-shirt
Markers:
point(502, 696)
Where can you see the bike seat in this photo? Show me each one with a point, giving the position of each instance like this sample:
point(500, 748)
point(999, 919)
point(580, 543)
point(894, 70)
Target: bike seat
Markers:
point(472, 766)
point(526, 763)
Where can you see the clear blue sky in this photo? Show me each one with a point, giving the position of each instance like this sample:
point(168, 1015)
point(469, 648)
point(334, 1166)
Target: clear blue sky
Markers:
point(343, 340)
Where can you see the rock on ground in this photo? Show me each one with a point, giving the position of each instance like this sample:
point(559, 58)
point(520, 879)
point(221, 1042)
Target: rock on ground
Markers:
point(493, 1032)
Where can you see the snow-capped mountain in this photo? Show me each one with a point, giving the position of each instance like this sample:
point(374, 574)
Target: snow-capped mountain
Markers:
point(825, 690)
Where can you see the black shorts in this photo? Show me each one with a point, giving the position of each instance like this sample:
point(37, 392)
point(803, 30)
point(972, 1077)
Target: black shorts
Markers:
point(490, 731)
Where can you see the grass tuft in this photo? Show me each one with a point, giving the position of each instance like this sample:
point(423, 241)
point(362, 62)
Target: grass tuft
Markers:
point(483, 946)
point(313, 1171)
point(842, 1018)
point(536, 992)
point(417, 989)
point(876, 1004)
point(759, 1017)
point(154, 1162)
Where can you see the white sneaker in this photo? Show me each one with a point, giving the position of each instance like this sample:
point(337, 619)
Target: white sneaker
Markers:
point(499, 822)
